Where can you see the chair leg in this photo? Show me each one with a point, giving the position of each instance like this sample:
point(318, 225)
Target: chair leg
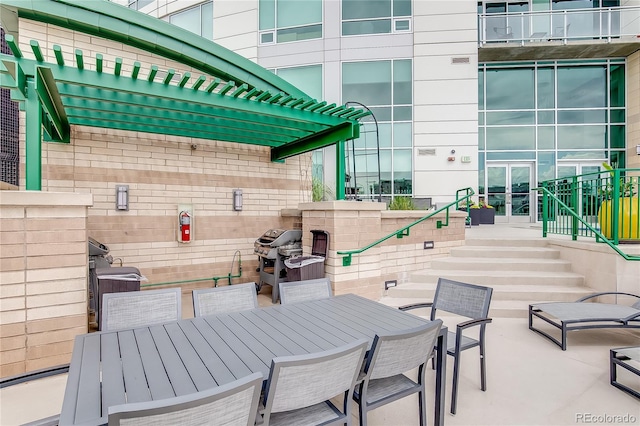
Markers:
point(483, 369)
point(362, 412)
point(454, 387)
point(422, 407)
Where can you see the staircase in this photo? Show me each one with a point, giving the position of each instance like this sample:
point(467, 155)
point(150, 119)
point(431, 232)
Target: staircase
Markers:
point(521, 271)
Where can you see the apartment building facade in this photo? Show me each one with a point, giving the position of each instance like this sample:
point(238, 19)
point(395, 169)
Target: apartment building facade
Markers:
point(497, 96)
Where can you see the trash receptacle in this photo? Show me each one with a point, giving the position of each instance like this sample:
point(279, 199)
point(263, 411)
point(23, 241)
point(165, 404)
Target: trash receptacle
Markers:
point(114, 280)
point(309, 267)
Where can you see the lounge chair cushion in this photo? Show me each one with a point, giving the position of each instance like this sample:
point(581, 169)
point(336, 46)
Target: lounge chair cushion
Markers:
point(572, 311)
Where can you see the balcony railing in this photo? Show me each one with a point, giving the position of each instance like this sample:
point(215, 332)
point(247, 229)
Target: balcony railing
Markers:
point(562, 26)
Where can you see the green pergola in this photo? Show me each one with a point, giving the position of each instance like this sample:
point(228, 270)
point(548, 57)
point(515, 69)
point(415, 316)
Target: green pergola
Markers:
point(234, 100)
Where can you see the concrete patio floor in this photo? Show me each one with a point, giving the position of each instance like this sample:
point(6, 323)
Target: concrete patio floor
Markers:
point(530, 381)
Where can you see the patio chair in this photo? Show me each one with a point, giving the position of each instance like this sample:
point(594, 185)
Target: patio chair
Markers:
point(503, 33)
point(390, 356)
point(621, 357)
point(302, 291)
point(300, 386)
point(139, 308)
point(468, 301)
point(582, 315)
point(220, 300)
point(234, 403)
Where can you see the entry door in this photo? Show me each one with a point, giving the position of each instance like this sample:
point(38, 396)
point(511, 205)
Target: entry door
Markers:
point(588, 202)
point(509, 191)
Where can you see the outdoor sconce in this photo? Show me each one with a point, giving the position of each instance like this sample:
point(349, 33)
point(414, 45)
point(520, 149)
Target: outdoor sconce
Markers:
point(237, 200)
point(638, 149)
point(122, 197)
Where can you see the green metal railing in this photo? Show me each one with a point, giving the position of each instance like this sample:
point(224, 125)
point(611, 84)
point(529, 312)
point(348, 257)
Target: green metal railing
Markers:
point(215, 280)
point(602, 205)
point(404, 232)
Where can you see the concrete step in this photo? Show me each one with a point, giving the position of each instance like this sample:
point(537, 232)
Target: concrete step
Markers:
point(507, 241)
point(503, 264)
point(424, 292)
point(497, 278)
point(505, 251)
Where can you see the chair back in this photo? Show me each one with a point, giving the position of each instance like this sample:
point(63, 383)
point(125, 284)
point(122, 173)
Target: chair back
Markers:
point(220, 300)
point(302, 291)
point(139, 308)
point(234, 403)
point(463, 299)
point(396, 353)
point(300, 381)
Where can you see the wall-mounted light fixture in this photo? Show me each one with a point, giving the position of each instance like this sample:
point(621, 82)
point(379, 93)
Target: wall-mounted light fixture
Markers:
point(122, 197)
point(237, 200)
point(638, 149)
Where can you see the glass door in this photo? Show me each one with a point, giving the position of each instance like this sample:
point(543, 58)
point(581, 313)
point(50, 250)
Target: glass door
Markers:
point(588, 185)
point(509, 191)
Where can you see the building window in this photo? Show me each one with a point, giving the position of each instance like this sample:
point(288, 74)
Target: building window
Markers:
point(385, 87)
point(564, 115)
point(198, 20)
point(139, 4)
point(375, 17)
point(283, 21)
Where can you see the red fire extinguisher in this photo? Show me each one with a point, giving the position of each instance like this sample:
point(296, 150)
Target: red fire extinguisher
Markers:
point(185, 226)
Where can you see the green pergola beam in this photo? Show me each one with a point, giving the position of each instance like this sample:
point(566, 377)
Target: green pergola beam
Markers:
point(316, 141)
point(177, 120)
point(224, 107)
point(99, 63)
point(156, 130)
point(11, 42)
point(57, 51)
point(35, 47)
point(51, 104)
point(79, 59)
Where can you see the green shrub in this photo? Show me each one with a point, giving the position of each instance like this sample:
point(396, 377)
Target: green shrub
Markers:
point(402, 203)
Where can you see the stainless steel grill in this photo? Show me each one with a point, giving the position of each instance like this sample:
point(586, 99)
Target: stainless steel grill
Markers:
point(273, 248)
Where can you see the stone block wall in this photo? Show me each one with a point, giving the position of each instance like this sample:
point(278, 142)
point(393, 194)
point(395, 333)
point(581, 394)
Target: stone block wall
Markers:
point(43, 278)
point(354, 225)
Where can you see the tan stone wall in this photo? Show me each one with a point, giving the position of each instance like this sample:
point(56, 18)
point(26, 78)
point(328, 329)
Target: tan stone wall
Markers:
point(354, 225)
point(43, 273)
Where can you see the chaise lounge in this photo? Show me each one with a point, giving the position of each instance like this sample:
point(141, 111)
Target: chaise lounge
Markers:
point(582, 315)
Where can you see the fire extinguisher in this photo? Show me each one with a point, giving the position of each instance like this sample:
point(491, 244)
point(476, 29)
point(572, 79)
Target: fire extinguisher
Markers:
point(185, 226)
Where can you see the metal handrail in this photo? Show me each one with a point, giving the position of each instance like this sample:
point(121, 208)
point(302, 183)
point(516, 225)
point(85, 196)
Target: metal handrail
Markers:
point(545, 196)
point(404, 232)
point(606, 23)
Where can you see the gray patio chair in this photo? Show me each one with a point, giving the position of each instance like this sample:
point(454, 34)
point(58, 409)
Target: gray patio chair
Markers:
point(468, 301)
point(582, 315)
point(621, 357)
point(235, 403)
point(220, 300)
point(302, 291)
point(300, 386)
point(390, 356)
point(138, 308)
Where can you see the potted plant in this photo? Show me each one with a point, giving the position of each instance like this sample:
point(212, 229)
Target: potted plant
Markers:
point(628, 205)
point(482, 213)
point(402, 203)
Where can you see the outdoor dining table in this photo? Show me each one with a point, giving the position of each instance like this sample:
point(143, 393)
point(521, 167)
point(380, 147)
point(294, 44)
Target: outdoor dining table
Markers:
point(182, 357)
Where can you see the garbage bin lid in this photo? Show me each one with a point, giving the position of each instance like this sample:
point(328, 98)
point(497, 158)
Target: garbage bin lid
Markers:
point(320, 245)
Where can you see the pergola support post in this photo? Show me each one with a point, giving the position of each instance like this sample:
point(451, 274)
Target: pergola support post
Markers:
point(340, 170)
point(33, 136)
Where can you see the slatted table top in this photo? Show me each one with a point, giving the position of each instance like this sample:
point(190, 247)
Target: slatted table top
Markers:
point(187, 356)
